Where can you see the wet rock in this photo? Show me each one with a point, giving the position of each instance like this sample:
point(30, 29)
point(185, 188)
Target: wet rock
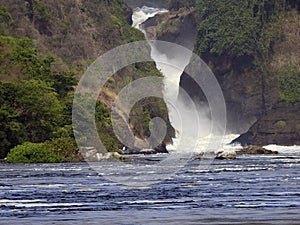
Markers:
point(162, 148)
point(255, 150)
point(226, 155)
point(281, 126)
point(91, 154)
point(199, 156)
point(244, 139)
point(146, 151)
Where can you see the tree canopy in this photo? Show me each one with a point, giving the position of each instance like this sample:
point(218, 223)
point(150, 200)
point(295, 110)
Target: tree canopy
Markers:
point(235, 27)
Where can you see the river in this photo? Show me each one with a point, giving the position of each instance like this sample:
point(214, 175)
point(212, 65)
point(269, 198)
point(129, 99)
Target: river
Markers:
point(249, 190)
point(253, 189)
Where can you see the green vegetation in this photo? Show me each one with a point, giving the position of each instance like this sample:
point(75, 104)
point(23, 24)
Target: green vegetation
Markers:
point(104, 127)
point(177, 4)
point(289, 79)
point(119, 21)
point(281, 123)
point(54, 151)
point(144, 111)
point(33, 153)
point(5, 17)
point(37, 84)
point(37, 10)
point(36, 103)
point(237, 28)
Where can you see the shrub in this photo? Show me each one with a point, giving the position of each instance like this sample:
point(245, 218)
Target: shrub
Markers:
point(33, 153)
point(289, 81)
point(66, 148)
point(55, 151)
point(281, 123)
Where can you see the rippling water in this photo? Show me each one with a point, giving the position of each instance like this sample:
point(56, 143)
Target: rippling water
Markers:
point(249, 190)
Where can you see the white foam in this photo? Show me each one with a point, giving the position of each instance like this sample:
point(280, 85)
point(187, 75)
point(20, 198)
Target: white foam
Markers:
point(284, 149)
point(36, 203)
point(140, 15)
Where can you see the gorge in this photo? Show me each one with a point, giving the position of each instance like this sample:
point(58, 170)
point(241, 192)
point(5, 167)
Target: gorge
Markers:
point(250, 103)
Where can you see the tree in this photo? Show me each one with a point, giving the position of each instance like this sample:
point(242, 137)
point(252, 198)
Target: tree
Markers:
point(12, 132)
point(39, 108)
point(234, 28)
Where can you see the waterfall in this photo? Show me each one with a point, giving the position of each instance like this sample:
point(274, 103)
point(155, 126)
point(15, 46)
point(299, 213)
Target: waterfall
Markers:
point(171, 76)
point(182, 117)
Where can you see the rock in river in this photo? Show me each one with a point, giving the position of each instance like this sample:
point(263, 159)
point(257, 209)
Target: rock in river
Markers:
point(255, 150)
point(226, 155)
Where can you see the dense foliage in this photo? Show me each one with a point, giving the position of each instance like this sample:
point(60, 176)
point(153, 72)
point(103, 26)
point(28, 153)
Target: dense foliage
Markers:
point(177, 4)
point(35, 105)
point(289, 79)
point(236, 27)
point(54, 151)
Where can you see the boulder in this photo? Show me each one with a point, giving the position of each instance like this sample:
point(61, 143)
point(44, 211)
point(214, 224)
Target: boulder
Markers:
point(226, 155)
point(255, 150)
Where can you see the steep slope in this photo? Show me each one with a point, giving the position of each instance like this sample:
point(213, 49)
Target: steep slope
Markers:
point(75, 31)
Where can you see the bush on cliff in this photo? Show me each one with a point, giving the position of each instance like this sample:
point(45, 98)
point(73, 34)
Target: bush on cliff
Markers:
point(289, 80)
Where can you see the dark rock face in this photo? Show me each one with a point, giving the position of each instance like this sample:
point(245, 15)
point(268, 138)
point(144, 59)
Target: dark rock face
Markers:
point(255, 150)
point(150, 3)
point(146, 151)
point(161, 148)
point(244, 139)
point(177, 27)
point(281, 126)
point(243, 91)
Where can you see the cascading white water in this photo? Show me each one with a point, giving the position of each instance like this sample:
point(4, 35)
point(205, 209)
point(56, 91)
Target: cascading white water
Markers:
point(171, 80)
point(176, 108)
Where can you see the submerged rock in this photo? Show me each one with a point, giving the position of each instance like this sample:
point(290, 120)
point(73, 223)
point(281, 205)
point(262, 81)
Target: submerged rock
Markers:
point(226, 155)
point(255, 150)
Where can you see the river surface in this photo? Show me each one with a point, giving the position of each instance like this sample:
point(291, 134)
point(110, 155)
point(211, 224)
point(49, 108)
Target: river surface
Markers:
point(249, 190)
